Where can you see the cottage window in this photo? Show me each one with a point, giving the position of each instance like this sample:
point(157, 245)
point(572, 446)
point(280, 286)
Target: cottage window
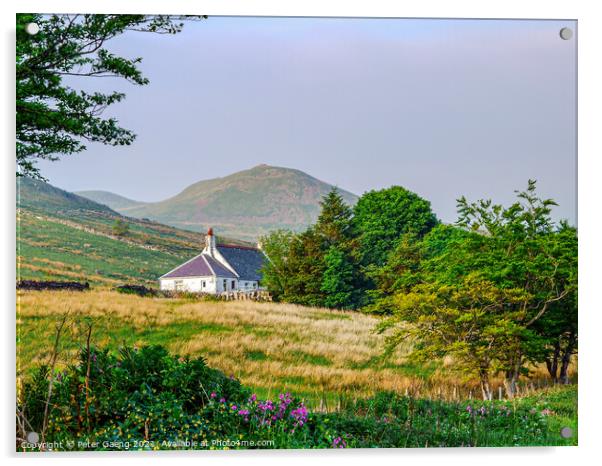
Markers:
point(233, 284)
point(204, 284)
point(225, 284)
point(179, 285)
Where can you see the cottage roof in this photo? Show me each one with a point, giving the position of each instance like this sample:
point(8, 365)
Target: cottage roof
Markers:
point(247, 261)
point(202, 265)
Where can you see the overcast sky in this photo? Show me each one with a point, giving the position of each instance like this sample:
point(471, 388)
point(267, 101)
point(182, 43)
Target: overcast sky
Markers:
point(443, 107)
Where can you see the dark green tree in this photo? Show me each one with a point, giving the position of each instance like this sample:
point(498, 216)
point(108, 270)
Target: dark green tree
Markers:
point(398, 274)
point(338, 280)
point(334, 224)
point(305, 268)
point(382, 217)
point(52, 118)
point(306, 262)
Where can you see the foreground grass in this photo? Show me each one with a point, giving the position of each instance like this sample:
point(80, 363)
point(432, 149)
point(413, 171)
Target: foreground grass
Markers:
point(327, 357)
point(146, 398)
point(318, 354)
point(535, 420)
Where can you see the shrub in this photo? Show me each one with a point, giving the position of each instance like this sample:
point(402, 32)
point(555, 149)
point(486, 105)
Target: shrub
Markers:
point(138, 290)
point(148, 399)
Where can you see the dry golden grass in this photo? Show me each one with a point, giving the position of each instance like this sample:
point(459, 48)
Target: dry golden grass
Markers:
point(318, 353)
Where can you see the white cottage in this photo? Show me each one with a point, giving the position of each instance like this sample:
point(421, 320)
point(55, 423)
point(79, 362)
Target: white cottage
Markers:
point(217, 269)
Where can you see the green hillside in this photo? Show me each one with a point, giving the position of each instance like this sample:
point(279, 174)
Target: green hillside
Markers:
point(39, 195)
point(114, 201)
point(244, 205)
point(63, 236)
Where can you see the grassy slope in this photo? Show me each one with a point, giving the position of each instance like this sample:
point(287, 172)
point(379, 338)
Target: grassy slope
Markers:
point(318, 353)
point(269, 346)
point(244, 205)
point(62, 236)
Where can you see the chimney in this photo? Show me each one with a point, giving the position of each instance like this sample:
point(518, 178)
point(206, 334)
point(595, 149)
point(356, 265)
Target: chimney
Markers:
point(210, 243)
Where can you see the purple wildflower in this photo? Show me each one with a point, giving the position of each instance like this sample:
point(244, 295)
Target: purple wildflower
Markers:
point(339, 442)
point(213, 395)
point(266, 405)
point(300, 415)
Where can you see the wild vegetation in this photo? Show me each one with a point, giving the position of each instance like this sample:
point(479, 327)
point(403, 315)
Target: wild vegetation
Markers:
point(495, 294)
point(145, 399)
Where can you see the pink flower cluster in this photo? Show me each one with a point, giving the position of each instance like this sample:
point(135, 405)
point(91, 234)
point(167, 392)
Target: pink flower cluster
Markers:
point(267, 413)
point(339, 442)
point(300, 415)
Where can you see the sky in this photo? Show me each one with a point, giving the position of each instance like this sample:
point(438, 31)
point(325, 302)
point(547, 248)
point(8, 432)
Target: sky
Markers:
point(444, 108)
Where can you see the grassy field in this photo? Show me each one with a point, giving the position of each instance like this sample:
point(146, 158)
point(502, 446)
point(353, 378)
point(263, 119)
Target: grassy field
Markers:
point(81, 246)
point(328, 357)
point(51, 250)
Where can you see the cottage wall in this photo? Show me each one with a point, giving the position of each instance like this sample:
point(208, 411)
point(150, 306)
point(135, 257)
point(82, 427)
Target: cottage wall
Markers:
point(193, 284)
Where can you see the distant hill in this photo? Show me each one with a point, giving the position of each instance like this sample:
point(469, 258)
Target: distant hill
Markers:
point(37, 194)
point(63, 236)
point(244, 205)
point(114, 201)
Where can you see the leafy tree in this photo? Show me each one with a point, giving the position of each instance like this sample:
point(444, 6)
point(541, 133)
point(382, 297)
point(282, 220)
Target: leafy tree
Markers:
point(52, 118)
point(120, 228)
point(467, 321)
point(559, 324)
point(521, 253)
point(338, 280)
point(276, 272)
point(294, 270)
point(404, 266)
point(382, 217)
point(500, 279)
point(400, 272)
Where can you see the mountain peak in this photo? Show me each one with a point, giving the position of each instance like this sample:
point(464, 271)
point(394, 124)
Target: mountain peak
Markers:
point(244, 205)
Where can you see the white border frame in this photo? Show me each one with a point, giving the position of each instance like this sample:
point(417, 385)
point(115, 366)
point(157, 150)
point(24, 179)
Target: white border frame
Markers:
point(588, 193)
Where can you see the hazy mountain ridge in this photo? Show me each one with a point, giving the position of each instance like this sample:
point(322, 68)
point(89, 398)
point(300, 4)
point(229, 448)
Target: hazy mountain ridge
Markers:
point(244, 205)
point(114, 201)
